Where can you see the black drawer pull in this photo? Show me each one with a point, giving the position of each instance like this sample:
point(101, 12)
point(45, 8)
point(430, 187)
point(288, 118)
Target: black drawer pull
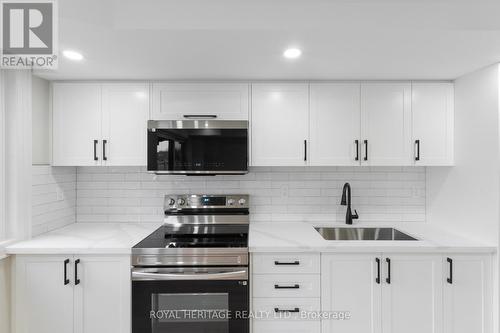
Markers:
point(294, 310)
point(377, 279)
point(95, 150)
point(66, 280)
point(366, 150)
point(417, 148)
point(388, 279)
point(279, 263)
point(356, 142)
point(295, 286)
point(210, 116)
point(305, 150)
point(77, 280)
point(450, 278)
point(104, 157)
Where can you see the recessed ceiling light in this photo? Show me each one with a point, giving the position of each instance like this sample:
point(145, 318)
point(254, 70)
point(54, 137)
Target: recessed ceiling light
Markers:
point(73, 55)
point(292, 53)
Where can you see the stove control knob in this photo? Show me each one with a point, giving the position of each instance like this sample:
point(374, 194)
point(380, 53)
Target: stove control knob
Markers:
point(242, 201)
point(171, 201)
point(181, 201)
point(230, 202)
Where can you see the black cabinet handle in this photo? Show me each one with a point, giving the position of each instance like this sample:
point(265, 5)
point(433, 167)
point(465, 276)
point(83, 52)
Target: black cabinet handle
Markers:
point(366, 150)
point(295, 286)
point(211, 116)
point(95, 150)
point(377, 279)
point(356, 142)
point(450, 278)
point(295, 310)
point(279, 263)
point(66, 280)
point(77, 280)
point(388, 279)
point(305, 150)
point(104, 142)
point(417, 150)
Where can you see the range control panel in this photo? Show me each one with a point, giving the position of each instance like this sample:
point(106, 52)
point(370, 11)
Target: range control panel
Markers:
point(201, 201)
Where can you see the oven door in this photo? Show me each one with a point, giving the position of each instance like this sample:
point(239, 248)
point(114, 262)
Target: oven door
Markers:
point(198, 147)
point(190, 300)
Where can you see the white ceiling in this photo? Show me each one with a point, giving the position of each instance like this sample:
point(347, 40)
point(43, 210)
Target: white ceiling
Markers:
point(244, 39)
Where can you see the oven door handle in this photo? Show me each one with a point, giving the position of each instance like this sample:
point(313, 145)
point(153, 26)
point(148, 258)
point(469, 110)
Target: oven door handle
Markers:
point(233, 275)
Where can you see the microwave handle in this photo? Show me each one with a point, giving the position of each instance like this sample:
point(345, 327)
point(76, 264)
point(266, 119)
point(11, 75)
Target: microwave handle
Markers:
point(202, 116)
point(235, 275)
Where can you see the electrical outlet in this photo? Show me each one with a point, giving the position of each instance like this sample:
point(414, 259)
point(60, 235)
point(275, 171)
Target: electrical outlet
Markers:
point(60, 195)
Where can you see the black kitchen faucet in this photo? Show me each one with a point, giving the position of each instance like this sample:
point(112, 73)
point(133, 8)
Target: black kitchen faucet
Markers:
point(346, 201)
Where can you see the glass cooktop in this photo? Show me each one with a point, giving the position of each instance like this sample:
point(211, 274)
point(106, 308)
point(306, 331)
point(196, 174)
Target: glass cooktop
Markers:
point(197, 236)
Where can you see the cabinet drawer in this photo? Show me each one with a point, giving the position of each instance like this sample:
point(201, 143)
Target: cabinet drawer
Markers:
point(286, 326)
point(276, 308)
point(286, 263)
point(283, 285)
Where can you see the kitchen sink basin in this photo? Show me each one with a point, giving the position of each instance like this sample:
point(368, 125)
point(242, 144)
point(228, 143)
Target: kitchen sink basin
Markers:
point(363, 234)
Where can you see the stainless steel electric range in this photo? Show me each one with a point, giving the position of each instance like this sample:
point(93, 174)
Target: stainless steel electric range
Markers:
point(191, 274)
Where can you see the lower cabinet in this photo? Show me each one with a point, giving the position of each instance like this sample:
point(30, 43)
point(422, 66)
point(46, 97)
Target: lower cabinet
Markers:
point(405, 293)
point(71, 293)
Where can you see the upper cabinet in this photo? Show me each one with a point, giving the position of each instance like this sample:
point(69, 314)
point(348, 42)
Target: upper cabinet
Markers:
point(335, 124)
point(386, 123)
point(76, 118)
point(125, 109)
point(432, 123)
point(175, 101)
point(280, 124)
point(99, 124)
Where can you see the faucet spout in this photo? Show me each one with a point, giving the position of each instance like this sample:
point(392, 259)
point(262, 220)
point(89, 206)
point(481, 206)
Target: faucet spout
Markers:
point(346, 201)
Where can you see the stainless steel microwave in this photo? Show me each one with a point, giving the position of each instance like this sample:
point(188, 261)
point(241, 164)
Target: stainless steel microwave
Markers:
point(198, 147)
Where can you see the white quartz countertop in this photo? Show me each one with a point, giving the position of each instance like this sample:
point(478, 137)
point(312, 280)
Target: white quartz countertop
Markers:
point(116, 238)
point(86, 238)
point(302, 237)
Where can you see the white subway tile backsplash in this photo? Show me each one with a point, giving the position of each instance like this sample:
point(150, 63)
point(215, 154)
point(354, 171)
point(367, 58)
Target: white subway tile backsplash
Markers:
point(53, 198)
point(379, 194)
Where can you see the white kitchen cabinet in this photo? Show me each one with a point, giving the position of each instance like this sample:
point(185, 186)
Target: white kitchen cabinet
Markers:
point(288, 326)
point(412, 293)
point(385, 124)
point(432, 123)
point(47, 300)
point(76, 124)
point(125, 110)
point(335, 124)
point(176, 101)
point(280, 124)
point(99, 124)
point(42, 302)
point(107, 276)
point(351, 283)
point(467, 294)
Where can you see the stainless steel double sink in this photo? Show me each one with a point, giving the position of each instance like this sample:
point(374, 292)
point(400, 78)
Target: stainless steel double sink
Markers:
point(363, 234)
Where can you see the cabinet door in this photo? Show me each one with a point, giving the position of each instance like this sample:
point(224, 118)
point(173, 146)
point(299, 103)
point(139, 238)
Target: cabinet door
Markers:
point(412, 298)
point(76, 124)
point(280, 124)
point(125, 110)
point(228, 101)
point(432, 123)
point(385, 123)
point(467, 295)
point(102, 298)
point(43, 302)
point(349, 283)
point(335, 124)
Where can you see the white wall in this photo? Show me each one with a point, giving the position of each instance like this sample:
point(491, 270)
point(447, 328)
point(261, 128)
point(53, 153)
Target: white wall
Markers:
point(5, 295)
point(380, 194)
point(40, 120)
point(465, 198)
